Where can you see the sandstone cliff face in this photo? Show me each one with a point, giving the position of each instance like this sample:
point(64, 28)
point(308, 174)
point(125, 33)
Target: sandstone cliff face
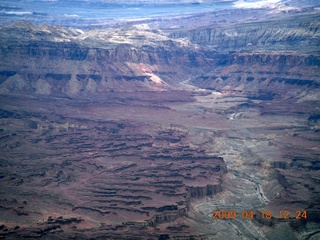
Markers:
point(73, 63)
point(93, 61)
point(204, 191)
point(296, 34)
point(277, 58)
point(259, 74)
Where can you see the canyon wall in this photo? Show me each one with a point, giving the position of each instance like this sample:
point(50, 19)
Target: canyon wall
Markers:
point(48, 60)
point(119, 131)
point(295, 34)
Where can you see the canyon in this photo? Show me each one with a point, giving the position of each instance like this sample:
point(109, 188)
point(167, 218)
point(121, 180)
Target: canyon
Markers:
point(141, 132)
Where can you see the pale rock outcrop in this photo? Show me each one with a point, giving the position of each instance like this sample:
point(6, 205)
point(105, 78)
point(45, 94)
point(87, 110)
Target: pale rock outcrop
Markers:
point(91, 86)
point(43, 87)
point(73, 87)
point(14, 83)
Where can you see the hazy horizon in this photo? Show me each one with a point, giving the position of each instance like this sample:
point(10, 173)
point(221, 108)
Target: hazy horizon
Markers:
point(103, 12)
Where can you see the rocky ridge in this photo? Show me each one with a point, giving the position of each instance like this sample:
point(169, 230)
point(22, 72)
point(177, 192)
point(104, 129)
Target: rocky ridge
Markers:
point(89, 63)
point(292, 33)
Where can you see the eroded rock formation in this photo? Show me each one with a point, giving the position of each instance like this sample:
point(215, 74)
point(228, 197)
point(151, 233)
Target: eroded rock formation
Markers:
point(141, 133)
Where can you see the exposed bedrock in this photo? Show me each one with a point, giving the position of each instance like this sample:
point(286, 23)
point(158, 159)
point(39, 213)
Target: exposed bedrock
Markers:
point(118, 174)
point(264, 75)
point(119, 71)
point(166, 217)
point(72, 63)
point(298, 33)
point(123, 158)
point(111, 54)
point(73, 69)
point(261, 58)
point(203, 191)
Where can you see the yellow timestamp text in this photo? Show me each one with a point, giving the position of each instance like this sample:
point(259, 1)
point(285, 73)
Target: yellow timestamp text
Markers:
point(264, 214)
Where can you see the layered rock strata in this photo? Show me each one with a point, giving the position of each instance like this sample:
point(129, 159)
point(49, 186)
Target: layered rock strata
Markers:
point(69, 174)
point(141, 134)
point(76, 63)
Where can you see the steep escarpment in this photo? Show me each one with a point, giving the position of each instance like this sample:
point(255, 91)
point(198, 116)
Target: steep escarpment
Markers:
point(74, 70)
point(82, 64)
point(259, 75)
point(270, 58)
point(300, 33)
point(247, 58)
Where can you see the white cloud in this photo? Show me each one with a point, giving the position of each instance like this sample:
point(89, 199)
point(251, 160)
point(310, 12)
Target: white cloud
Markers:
point(256, 4)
